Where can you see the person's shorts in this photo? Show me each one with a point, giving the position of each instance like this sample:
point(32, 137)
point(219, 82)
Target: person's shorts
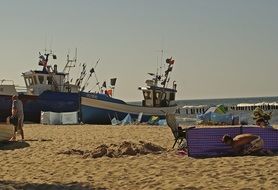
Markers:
point(17, 121)
point(14, 121)
point(254, 146)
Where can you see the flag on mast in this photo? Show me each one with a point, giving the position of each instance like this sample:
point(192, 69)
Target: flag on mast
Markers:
point(104, 84)
point(170, 61)
point(113, 81)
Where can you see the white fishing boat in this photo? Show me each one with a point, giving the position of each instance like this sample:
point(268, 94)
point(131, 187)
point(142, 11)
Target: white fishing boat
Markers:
point(99, 108)
point(6, 132)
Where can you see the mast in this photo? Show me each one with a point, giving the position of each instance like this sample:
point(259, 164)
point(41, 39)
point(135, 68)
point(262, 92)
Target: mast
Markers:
point(170, 63)
point(161, 61)
point(70, 63)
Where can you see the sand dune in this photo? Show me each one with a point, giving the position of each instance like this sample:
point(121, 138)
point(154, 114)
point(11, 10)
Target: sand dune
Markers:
point(39, 164)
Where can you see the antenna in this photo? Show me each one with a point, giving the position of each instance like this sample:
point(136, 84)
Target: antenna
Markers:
point(156, 65)
point(161, 62)
point(45, 43)
point(50, 43)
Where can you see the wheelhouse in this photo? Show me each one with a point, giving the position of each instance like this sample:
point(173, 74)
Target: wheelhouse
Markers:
point(159, 95)
point(39, 81)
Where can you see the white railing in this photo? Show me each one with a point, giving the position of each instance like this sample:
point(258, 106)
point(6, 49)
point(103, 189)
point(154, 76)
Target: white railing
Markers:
point(4, 81)
point(21, 88)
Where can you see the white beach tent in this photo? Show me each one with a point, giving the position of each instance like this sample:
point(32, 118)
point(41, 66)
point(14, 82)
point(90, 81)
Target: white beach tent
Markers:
point(127, 120)
point(53, 118)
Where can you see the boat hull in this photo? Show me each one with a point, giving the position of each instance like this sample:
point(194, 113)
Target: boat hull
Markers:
point(5, 107)
point(97, 110)
point(6, 132)
point(50, 101)
point(34, 105)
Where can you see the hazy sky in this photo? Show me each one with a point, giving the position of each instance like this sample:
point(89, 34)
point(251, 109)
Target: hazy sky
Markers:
point(222, 48)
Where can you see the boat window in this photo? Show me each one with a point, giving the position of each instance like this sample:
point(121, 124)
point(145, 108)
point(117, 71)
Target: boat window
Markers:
point(30, 80)
point(49, 80)
point(147, 95)
point(35, 80)
point(164, 101)
point(26, 81)
point(157, 95)
point(163, 96)
point(41, 79)
point(172, 96)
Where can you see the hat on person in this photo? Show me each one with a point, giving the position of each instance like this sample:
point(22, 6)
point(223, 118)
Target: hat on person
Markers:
point(14, 96)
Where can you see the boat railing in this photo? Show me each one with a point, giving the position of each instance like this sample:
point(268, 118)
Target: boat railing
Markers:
point(6, 82)
point(20, 88)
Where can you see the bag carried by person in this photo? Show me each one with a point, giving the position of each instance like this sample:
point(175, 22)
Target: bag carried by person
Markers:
point(13, 120)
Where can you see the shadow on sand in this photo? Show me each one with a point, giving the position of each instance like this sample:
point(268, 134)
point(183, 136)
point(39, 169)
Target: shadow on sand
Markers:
point(39, 140)
point(273, 154)
point(10, 185)
point(12, 145)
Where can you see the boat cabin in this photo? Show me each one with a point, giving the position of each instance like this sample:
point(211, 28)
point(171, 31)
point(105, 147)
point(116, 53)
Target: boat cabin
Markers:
point(39, 81)
point(7, 87)
point(155, 96)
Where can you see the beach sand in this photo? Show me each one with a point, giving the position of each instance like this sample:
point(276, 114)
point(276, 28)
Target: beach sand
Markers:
point(39, 164)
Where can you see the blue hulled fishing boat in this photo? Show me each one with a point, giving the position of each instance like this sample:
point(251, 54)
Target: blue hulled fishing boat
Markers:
point(99, 108)
point(50, 90)
point(45, 90)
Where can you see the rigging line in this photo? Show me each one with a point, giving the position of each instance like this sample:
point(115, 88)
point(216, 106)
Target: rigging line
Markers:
point(97, 63)
point(161, 62)
point(91, 72)
point(97, 81)
point(97, 84)
point(92, 88)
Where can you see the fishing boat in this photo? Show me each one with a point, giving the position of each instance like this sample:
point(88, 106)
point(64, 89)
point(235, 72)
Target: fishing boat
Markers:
point(50, 90)
point(7, 89)
point(101, 108)
point(6, 131)
point(45, 90)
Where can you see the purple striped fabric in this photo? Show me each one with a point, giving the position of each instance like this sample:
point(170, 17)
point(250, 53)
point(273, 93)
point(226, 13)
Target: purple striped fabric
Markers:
point(206, 142)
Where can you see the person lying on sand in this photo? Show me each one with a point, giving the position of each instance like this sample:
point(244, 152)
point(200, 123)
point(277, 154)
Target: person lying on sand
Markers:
point(246, 144)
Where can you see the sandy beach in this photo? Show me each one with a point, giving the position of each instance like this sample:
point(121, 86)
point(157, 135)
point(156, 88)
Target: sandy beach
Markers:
point(39, 163)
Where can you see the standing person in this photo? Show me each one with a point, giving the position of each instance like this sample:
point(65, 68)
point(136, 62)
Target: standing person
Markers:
point(17, 112)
